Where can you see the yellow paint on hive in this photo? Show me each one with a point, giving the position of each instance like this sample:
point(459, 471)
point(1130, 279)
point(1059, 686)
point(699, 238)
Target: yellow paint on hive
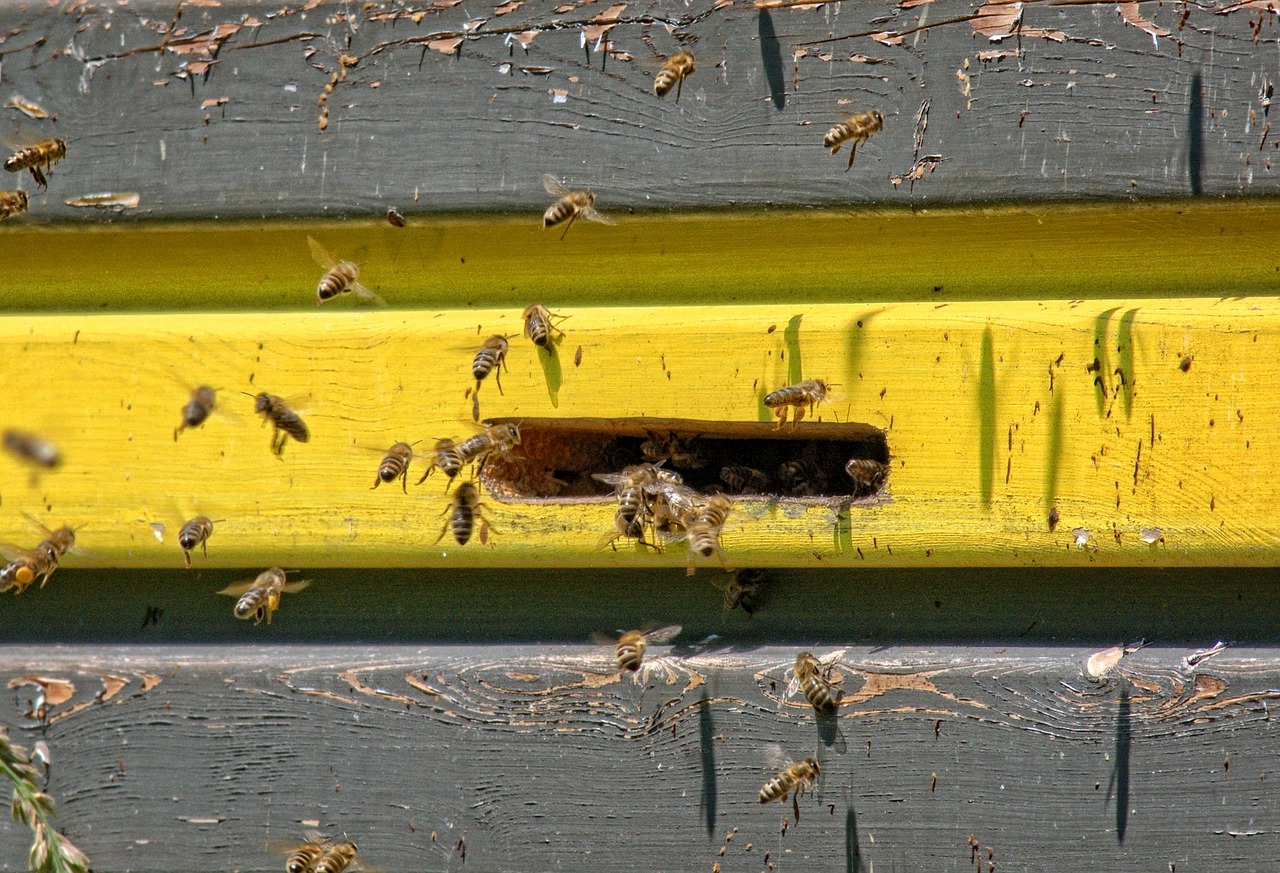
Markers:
point(1132, 444)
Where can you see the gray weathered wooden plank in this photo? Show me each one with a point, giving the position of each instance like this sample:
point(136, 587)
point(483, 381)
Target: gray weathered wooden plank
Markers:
point(209, 109)
point(541, 758)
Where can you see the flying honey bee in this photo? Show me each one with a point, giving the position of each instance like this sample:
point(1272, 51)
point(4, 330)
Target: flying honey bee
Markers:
point(195, 532)
point(24, 567)
point(808, 393)
point(703, 529)
point(32, 448)
point(447, 459)
point(538, 325)
point(570, 205)
point(744, 589)
point(812, 677)
point(285, 422)
point(745, 480)
point(343, 277)
point(491, 357)
point(795, 779)
point(673, 72)
point(260, 597)
point(855, 129)
point(867, 475)
point(337, 857)
point(12, 203)
point(197, 410)
point(395, 465)
point(35, 156)
point(464, 510)
point(629, 648)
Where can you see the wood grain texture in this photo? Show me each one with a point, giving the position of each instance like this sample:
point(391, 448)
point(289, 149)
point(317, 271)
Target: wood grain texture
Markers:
point(447, 108)
point(993, 419)
point(540, 757)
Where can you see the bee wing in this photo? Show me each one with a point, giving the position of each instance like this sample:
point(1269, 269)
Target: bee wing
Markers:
point(23, 137)
point(366, 295)
point(792, 686)
point(603, 639)
point(829, 661)
point(609, 478)
point(320, 254)
point(554, 188)
point(590, 214)
point(662, 634)
point(775, 757)
point(292, 587)
point(235, 589)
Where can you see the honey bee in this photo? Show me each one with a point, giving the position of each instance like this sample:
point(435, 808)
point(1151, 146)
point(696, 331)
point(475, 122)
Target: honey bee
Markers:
point(24, 567)
point(260, 597)
point(32, 448)
point(673, 72)
point(570, 205)
point(703, 529)
point(462, 512)
point(195, 532)
point(684, 454)
point(538, 326)
point(795, 779)
point(744, 589)
point(12, 203)
point(808, 393)
point(337, 857)
point(34, 156)
point(854, 130)
point(745, 480)
point(867, 475)
point(343, 277)
point(285, 422)
point(394, 218)
point(489, 359)
point(812, 677)
point(629, 648)
point(633, 504)
point(197, 410)
point(497, 439)
point(446, 457)
point(395, 465)
point(802, 478)
point(303, 858)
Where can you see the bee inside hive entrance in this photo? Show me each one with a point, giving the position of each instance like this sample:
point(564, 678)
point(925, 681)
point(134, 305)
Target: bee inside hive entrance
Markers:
point(558, 460)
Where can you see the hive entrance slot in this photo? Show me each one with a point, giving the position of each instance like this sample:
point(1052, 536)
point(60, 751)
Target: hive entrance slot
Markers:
point(556, 458)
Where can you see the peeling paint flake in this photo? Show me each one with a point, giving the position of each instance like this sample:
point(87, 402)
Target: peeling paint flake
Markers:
point(537, 71)
point(214, 101)
point(887, 37)
point(524, 38)
point(511, 6)
point(1132, 15)
point(106, 200)
point(473, 24)
point(613, 13)
point(445, 46)
point(53, 691)
point(859, 58)
point(558, 95)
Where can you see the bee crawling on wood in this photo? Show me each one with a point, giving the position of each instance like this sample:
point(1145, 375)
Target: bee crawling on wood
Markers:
point(337, 857)
point(343, 277)
point(497, 439)
point(570, 205)
point(463, 512)
point(490, 358)
point(395, 465)
point(745, 480)
point(808, 393)
point(38, 156)
point(538, 325)
point(855, 129)
point(812, 677)
point(673, 72)
point(447, 459)
point(868, 476)
point(260, 597)
point(285, 422)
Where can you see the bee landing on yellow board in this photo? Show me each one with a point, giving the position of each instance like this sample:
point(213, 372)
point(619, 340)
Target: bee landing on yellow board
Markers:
point(285, 421)
point(855, 129)
point(38, 157)
point(260, 597)
point(490, 358)
point(463, 512)
point(195, 532)
point(343, 277)
point(570, 205)
point(538, 325)
point(446, 458)
point(24, 567)
point(678, 67)
point(395, 465)
point(808, 393)
point(198, 409)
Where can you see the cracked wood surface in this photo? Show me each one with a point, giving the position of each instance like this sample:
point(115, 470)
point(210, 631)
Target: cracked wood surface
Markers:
point(539, 757)
point(226, 108)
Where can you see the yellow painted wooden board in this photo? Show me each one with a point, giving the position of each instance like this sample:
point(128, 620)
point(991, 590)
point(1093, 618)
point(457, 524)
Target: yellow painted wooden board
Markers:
point(995, 414)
